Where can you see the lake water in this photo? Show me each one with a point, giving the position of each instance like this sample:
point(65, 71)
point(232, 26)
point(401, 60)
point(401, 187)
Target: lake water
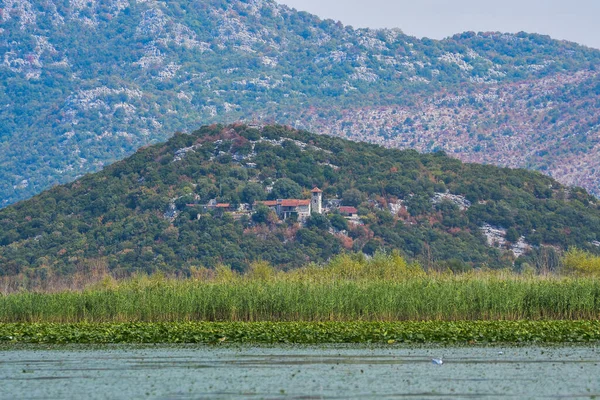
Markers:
point(330, 372)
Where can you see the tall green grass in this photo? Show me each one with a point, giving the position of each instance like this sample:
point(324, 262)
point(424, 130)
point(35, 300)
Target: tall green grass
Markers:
point(349, 288)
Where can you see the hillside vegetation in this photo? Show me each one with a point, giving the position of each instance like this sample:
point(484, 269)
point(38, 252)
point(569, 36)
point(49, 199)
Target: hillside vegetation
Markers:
point(150, 211)
point(86, 83)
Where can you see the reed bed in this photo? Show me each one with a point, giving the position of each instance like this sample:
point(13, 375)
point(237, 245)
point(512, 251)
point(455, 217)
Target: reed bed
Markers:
point(349, 288)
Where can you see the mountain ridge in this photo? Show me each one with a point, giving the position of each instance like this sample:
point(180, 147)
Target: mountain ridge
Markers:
point(86, 83)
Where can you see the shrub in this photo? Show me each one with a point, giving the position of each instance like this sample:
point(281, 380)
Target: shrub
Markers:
point(580, 262)
point(260, 271)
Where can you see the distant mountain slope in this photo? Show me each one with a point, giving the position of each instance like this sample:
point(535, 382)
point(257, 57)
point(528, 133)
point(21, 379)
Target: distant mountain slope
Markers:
point(549, 124)
point(84, 83)
point(194, 201)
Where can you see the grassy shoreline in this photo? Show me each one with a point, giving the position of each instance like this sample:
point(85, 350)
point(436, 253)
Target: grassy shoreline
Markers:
point(350, 300)
point(456, 333)
point(432, 298)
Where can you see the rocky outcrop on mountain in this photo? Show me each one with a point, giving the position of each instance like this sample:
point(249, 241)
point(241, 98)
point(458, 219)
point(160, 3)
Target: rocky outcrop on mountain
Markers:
point(84, 83)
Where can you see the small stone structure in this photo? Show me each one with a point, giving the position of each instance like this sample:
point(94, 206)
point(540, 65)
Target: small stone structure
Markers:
point(348, 211)
point(286, 208)
point(316, 201)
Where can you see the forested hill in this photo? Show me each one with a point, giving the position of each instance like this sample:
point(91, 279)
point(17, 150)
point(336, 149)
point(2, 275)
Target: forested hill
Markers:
point(192, 201)
point(85, 83)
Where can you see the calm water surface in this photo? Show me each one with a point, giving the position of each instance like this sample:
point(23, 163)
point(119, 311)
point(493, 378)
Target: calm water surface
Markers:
point(299, 373)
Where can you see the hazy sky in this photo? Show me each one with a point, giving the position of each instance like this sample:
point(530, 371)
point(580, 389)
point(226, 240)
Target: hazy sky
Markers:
point(575, 20)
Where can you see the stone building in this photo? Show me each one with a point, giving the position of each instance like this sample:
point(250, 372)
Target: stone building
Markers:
point(316, 201)
point(286, 208)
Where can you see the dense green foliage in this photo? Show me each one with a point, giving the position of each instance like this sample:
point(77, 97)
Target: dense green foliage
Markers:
point(83, 84)
point(581, 263)
point(145, 214)
point(307, 333)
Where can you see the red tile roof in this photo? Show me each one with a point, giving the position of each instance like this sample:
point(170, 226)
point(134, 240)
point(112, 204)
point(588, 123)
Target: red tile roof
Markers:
point(294, 203)
point(270, 203)
point(223, 205)
point(348, 210)
point(316, 190)
point(285, 203)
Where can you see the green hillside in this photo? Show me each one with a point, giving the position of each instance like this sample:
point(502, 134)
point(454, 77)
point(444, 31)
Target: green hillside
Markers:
point(155, 211)
point(84, 84)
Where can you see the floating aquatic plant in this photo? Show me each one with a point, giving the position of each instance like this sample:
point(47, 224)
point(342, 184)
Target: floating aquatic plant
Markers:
point(459, 332)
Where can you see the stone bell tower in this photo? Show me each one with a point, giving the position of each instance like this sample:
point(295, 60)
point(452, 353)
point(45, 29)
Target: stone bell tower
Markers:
point(316, 201)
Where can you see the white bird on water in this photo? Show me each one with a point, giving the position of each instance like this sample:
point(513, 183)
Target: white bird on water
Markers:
point(437, 361)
